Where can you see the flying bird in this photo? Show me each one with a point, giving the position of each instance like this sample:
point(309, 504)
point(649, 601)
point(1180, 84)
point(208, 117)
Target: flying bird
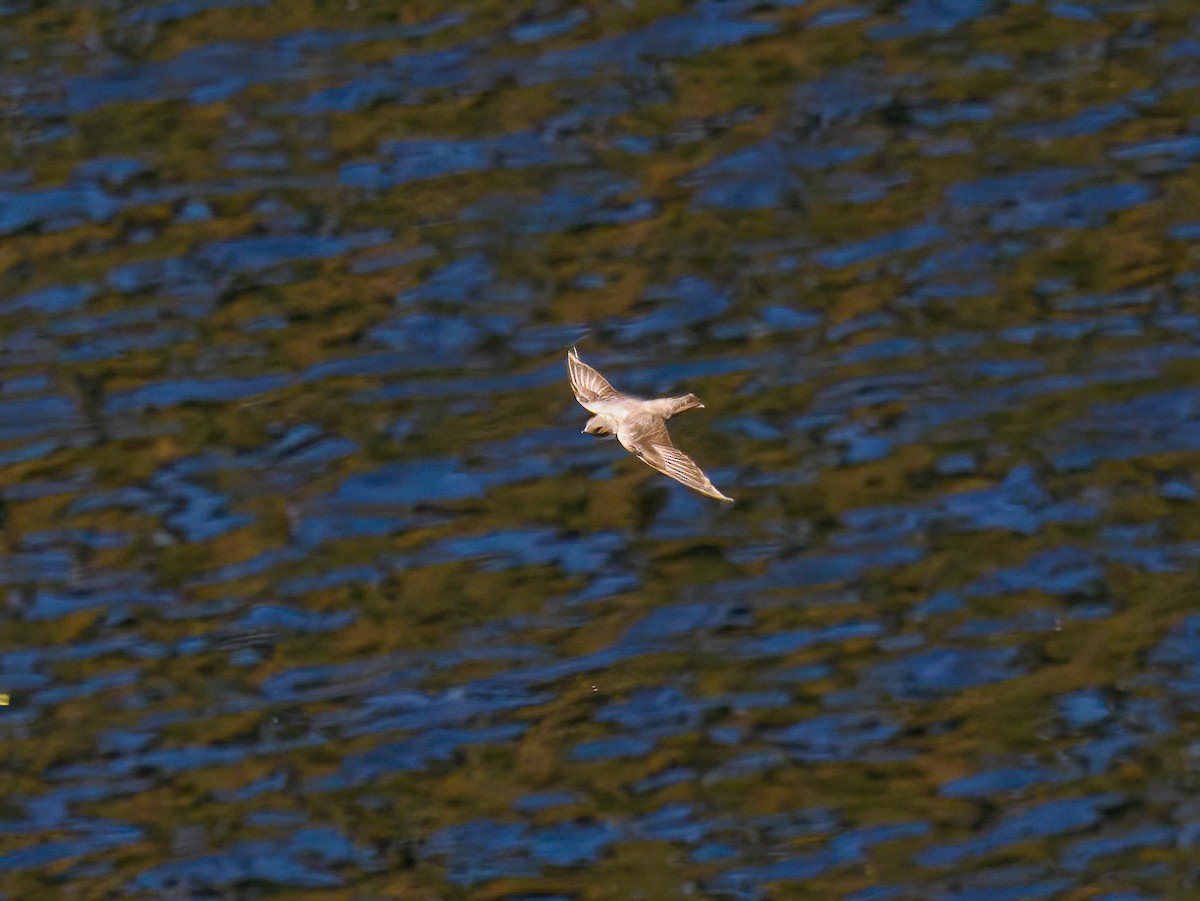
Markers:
point(640, 425)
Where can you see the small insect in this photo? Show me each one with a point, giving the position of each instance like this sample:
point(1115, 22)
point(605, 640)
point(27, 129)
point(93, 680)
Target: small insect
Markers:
point(640, 425)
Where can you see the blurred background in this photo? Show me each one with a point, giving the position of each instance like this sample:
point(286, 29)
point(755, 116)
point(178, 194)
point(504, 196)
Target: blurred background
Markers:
point(312, 587)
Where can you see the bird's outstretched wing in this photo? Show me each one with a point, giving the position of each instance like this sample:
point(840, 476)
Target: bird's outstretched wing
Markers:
point(589, 385)
point(655, 448)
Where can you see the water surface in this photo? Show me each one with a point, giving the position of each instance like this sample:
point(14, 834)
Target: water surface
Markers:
point(312, 587)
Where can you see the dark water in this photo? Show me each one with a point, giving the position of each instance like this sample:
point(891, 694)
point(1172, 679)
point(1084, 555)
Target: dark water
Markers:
point(312, 587)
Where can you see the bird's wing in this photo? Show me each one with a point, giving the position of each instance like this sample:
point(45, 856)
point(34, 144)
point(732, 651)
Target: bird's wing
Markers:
point(654, 447)
point(589, 385)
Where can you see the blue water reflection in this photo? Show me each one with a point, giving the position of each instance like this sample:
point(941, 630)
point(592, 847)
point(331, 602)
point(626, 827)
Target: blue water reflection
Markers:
point(312, 583)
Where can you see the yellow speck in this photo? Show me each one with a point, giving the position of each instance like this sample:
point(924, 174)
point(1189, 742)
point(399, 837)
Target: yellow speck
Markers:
point(3, 700)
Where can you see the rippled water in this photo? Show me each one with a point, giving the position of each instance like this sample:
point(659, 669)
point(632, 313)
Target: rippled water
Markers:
point(312, 583)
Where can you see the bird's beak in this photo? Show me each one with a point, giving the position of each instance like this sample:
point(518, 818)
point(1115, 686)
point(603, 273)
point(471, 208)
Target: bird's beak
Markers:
point(583, 431)
point(699, 406)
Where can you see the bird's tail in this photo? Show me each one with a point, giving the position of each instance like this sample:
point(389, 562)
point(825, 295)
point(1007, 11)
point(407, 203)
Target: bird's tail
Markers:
point(675, 405)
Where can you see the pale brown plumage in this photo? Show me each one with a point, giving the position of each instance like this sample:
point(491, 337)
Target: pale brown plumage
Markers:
point(640, 425)
point(589, 385)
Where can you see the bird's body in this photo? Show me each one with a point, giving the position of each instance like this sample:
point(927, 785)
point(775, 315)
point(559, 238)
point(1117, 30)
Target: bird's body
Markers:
point(640, 425)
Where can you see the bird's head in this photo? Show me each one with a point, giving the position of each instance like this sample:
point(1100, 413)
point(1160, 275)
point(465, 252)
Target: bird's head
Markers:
point(596, 426)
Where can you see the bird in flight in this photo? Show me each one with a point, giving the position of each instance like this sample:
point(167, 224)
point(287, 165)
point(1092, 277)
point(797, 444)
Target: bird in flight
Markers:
point(640, 425)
